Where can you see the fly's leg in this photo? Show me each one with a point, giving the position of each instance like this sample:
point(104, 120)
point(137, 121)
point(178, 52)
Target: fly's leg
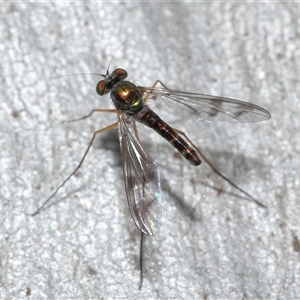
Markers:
point(136, 133)
point(93, 111)
point(142, 234)
point(218, 172)
point(114, 125)
point(156, 82)
point(141, 261)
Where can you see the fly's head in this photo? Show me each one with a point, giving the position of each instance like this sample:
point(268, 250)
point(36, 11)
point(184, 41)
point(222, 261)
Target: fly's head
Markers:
point(105, 86)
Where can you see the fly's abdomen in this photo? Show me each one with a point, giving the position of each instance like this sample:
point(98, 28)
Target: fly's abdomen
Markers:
point(149, 118)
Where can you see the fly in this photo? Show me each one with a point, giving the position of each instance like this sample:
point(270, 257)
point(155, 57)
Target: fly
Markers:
point(140, 167)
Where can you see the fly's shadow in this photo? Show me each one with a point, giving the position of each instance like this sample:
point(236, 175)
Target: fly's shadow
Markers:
point(109, 141)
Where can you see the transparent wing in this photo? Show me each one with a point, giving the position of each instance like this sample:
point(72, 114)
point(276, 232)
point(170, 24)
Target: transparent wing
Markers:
point(141, 176)
point(209, 108)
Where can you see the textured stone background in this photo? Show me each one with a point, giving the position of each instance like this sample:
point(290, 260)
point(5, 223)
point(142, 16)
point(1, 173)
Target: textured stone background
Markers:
point(212, 244)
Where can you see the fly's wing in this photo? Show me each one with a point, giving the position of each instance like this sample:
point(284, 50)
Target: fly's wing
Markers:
point(209, 108)
point(141, 176)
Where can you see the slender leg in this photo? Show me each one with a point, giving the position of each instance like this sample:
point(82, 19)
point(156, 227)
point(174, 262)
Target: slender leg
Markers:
point(156, 82)
point(94, 110)
point(217, 172)
point(141, 261)
point(135, 130)
point(142, 235)
point(114, 125)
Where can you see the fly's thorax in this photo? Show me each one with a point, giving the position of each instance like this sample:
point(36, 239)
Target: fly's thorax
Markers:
point(127, 96)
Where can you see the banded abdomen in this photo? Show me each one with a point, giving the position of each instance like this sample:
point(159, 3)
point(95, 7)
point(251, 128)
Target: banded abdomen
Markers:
point(149, 118)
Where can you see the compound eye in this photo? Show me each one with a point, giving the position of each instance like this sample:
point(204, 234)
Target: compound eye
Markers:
point(101, 88)
point(121, 73)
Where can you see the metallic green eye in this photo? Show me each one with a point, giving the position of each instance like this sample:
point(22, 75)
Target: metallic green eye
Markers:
point(120, 73)
point(101, 88)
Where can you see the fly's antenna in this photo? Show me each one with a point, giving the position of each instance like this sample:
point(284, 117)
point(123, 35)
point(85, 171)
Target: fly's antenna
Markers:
point(75, 74)
point(107, 71)
point(134, 30)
